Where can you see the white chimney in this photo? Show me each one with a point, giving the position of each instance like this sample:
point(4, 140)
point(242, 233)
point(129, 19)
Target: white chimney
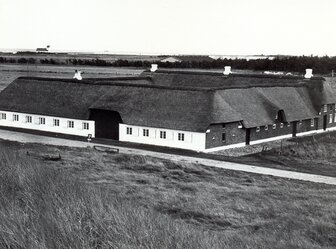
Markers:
point(309, 73)
point(227, 70)
point(78, 75)
point(154, 67)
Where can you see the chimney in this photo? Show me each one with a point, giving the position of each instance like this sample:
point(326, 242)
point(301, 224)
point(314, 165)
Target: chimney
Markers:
point(154, 67)
point(309, 73)
point(227, 70)
point(78, 75)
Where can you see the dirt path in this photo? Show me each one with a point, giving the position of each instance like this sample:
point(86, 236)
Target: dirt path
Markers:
point(29, 138)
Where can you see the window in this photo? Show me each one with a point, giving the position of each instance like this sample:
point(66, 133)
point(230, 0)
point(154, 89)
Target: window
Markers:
point(274, 126)
point(129, 130)
point(29, 119)
point(288, 124)
point(180, 136)
point(331, 107)
point(312, 122)
point(163, 134)
point(56, 122)
point(15, 117)
point(240, 125)
point(300, 122)
point(325, 108)
point(223, 126)
point(223, 137)
point(281, 125)
point(42, 121)
point(71, 124)
point(266, 127)
point(330, 118)
point(3, 116)
point(85, 125)
point(145, 132)
point(258, 129)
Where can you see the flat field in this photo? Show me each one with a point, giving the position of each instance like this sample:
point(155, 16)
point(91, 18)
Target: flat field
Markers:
point(9, 72)
point(92, 199)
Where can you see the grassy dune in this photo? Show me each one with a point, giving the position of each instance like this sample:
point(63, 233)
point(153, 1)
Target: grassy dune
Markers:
point(91, 199)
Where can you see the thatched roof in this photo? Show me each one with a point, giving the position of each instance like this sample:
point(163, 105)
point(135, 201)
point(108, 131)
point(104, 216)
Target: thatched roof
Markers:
point(181, 101)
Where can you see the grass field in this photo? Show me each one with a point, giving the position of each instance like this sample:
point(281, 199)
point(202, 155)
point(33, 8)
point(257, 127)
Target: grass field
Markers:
point(9, 72)
point(92, 199)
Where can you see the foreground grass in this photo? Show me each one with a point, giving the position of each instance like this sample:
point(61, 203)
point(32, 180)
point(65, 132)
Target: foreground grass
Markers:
point(98, 200)
point(42, 207)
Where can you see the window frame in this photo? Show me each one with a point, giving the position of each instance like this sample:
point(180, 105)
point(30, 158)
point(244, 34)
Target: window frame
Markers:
point(3, 116)
point(258, 129)
point(145, 132)
point(56, 122)
point(29, 119)
point(163, 134)
point(331, 118)
point(312, 122)
point(325, 108)
point(41, 121)
point(85, 126)
point(223, 137)
point(70, 124)
point(129, 130)
point(274, 126)
point(16, 118)
point(180, 136)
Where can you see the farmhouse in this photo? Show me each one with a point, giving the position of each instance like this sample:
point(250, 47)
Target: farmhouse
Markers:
point(190, 58)
point(41, 50)
point(190, 110)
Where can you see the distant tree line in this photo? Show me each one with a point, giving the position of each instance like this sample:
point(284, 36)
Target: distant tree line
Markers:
point(322, 65)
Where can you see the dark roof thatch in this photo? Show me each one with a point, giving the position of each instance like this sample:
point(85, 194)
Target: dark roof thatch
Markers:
point(181, 101)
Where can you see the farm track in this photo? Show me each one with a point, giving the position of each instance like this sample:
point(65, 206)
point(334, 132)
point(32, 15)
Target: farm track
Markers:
point(32, 138)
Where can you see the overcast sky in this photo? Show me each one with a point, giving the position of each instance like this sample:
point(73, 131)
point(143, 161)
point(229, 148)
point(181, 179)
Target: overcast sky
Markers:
point(172, 26)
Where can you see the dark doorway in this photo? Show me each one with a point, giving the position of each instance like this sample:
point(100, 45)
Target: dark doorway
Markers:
point(294, 129)
point(325, 119)
point(248, 136)
point(316, 123)
point(281, 116)
point(106, 123)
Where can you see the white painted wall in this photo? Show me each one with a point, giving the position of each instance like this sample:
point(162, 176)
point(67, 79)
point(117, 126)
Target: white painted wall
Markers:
point(192, 140)
point(48, 126)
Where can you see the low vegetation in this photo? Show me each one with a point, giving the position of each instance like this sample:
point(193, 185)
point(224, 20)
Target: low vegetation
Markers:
point(92, 199)
point(312, 154)
point(321, 65)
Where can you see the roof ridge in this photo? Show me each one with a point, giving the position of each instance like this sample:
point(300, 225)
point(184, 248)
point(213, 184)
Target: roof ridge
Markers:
point(118, 82)
point(248, 75)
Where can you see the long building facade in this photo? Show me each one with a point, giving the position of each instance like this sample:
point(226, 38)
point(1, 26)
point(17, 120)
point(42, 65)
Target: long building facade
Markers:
point(186, 110)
